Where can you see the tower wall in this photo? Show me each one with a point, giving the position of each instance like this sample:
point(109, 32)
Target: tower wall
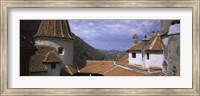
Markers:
point(67, 57)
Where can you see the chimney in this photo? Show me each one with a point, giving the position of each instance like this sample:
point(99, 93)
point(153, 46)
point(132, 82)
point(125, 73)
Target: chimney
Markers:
point(145, 41)
point(135, 39)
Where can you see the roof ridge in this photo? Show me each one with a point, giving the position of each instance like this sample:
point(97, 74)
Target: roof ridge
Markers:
point(68, 69)
point(67, 25)
point(39, 29)
point(46, 56)
point(153, 43)
point(110, 70)
point(61, 29)
point(106, 68)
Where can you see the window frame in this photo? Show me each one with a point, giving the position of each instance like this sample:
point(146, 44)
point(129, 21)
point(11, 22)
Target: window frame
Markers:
point(61, 50)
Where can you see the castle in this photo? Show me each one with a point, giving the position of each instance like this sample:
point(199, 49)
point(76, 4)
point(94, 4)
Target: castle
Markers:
point(55, 48)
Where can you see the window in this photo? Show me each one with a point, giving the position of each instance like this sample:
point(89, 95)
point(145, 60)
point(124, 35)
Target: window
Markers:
point(148, 56)
point(53, 66)
point(61, 50)
point(134, 55)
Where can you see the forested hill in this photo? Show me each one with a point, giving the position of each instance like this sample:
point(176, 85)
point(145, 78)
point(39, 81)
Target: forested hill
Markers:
point(82, 50)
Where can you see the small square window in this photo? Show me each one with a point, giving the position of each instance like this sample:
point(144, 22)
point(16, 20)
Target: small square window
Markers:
point(53, 66)
point(61, 50)
point(134, 55)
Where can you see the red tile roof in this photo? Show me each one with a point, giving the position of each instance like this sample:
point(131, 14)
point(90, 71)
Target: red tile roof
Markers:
point(118, 71)
point(93, 66)
point(123, 60)
point(137, 47)
point(54, 28)
point(108, 68)
point(154, 44)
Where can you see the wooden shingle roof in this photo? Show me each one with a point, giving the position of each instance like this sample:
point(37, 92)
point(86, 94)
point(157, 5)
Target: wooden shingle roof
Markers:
point(43, 55)
point(55, 29)
point(70, 70)
point(51, 57)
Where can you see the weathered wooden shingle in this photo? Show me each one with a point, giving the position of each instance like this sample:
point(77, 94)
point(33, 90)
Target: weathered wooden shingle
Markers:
point(44, 54)
point(55, 29)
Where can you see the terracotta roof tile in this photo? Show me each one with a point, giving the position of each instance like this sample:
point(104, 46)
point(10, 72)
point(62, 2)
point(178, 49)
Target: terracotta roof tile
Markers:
point(153, 45)
point(41, 55)
point(107, 68)
point(118, 71)
point(123, 60)
point(96, 66)
point(137, 47)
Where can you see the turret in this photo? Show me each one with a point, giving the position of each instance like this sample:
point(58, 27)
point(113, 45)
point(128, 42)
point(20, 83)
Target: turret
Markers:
point(57, 34)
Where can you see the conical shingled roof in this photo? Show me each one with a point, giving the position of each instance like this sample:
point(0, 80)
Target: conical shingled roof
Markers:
point(55, 29)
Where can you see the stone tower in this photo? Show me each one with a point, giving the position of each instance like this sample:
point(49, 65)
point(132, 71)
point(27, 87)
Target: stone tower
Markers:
point(57, 34)
point(170, 34)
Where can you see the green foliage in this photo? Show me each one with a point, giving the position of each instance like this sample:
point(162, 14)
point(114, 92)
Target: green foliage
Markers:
point(83, 51)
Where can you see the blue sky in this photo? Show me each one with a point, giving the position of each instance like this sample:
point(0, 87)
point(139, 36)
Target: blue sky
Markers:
point(112, 34)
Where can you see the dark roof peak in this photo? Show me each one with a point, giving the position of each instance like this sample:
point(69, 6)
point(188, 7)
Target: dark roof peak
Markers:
point(54, 28)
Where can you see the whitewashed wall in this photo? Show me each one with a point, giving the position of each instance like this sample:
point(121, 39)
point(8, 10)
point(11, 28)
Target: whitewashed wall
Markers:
point(174, 29)
point(154, 60)
point(137, 60)
point(53, 72)
point(67, 58)
point(49, 72)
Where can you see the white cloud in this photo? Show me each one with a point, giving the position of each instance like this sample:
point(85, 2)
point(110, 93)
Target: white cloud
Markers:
point(112, 30)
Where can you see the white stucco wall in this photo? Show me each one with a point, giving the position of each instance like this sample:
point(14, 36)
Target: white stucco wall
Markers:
point(135, 61)
point(67, 57)
point(154, 60)
point(174, 29)
point(54, 72)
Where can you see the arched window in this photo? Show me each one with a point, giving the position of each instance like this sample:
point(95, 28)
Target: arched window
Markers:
point(61, 50)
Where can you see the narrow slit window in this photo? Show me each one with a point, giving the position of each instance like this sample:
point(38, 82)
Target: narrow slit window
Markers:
point(148, 56)
point(134, 55)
